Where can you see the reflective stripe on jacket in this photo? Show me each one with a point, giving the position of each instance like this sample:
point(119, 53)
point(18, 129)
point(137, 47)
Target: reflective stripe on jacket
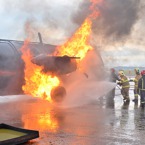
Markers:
point(141, 83)
point(125, 82)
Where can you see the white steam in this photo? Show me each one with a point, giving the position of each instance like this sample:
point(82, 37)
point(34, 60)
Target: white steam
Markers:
point(87, 86)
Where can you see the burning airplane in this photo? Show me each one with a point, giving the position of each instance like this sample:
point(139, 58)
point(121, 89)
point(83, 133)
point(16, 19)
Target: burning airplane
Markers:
point(42, 67)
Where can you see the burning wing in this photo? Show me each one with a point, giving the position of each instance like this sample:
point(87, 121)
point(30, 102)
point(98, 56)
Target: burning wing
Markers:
point(56, 64)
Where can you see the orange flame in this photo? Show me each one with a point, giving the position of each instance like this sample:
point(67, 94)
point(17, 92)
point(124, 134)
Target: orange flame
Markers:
point(41, 117)
point(41, 121)
point(37, 83)
point(48, 122)
point(78, 45)
point(95, 13)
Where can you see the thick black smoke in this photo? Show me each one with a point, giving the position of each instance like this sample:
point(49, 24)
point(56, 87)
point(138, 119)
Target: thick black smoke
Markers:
point(117, 17)
point(82, 12)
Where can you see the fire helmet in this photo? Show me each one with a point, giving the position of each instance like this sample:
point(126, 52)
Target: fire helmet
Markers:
point(143, 72)
point(121, 73)
point(136, 70)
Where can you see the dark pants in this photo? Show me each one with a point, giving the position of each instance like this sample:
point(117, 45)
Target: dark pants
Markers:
point(142, 95)
point(125, 93)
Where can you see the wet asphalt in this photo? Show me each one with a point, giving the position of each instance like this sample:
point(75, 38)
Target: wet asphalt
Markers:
point(95, 123)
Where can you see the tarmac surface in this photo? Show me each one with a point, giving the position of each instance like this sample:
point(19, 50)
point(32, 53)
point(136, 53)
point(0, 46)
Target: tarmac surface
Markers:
point(96, 123)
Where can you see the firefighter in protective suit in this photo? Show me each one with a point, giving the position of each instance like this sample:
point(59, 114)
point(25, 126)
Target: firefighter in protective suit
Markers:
point(141, 86)
point(135, 80)
point(113, 77)
point(124, 83)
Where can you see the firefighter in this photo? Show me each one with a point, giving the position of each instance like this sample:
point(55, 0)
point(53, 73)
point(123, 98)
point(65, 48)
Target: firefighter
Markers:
point(113, 76)
point(135, 80)
point(141, 86)
point(124, 82)
point(111, 94)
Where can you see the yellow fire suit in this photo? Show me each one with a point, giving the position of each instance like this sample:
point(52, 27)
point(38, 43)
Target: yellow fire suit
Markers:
point(124, 82)
point(137, 77)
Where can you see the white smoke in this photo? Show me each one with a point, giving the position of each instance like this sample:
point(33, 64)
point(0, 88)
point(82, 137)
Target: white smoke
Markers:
point(88, 85)
point(52, 18)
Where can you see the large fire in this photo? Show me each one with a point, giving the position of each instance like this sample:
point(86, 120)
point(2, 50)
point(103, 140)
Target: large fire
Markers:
point(40, 84)
point(37, 83)
point(78, 45)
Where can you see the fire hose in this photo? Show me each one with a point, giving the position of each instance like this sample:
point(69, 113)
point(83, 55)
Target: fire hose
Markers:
point(118, 87)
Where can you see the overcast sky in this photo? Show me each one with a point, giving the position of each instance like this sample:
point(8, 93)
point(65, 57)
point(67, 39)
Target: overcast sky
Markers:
point(118, 33)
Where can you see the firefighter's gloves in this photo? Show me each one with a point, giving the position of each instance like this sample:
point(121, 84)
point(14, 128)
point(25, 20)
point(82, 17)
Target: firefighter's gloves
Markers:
point(119, 83)
point(131, 80)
